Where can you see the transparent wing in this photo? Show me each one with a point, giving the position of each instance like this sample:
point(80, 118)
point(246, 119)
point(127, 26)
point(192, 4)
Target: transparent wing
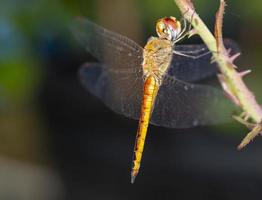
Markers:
point(184, 105)
point(191, 70)
point(178, 104)
point(122, 93)
point(113, 49)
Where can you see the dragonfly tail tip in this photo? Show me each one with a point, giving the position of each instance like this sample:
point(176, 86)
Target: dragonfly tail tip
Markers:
point(134, 173)
point(133, 177)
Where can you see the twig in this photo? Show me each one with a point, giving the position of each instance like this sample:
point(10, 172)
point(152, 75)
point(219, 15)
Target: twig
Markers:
point(230, 78)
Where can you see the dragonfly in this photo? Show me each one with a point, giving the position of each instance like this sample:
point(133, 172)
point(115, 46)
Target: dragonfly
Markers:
point(155, 84)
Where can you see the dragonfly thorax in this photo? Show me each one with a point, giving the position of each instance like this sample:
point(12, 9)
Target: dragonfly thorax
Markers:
point(157, 56)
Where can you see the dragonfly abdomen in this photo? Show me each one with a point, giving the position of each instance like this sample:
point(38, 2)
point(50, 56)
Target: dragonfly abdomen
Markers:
point(150, 91)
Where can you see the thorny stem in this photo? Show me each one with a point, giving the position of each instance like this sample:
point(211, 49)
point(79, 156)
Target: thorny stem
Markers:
point(231, 79)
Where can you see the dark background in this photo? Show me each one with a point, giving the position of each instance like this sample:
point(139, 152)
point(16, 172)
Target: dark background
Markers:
point(59, 142)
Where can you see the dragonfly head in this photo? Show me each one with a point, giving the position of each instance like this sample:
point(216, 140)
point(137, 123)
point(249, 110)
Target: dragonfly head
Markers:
point(168, 28)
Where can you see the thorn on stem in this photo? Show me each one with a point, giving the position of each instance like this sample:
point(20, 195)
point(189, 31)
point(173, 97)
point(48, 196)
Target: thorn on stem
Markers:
point(243, 73)
point(250, 136)
point(234, 57)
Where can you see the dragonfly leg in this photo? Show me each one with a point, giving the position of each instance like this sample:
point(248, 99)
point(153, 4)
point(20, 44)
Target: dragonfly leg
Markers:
point(186, 29)
point(183, 33)
point(185, 21)
point(196, 51)
point(190, 56)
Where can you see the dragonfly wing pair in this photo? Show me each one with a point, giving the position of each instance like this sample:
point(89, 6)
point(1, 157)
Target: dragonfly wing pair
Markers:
point(178, 104)
point(118, 82)
point(124, 55)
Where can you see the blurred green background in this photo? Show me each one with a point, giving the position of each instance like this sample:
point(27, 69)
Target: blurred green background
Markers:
point(52, 145)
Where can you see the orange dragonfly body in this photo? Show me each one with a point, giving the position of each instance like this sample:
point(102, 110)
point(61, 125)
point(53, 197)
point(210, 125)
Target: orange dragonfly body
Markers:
point(152, 83)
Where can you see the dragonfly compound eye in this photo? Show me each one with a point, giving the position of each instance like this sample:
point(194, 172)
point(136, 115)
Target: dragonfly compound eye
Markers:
point(168, 28)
